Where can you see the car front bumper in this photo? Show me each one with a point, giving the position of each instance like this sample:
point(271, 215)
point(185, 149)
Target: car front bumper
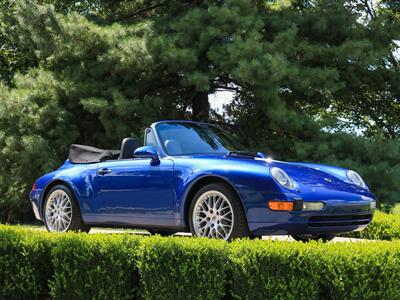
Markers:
point(34, 197)
point(337, 216)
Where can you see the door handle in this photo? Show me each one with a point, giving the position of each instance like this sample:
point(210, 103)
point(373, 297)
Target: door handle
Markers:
point(104, 171)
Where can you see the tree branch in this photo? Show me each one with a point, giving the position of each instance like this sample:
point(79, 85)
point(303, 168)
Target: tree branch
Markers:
point(370, 10)
point(372, 14)
point(142, 10)
point(224, 87)
point(227, 79)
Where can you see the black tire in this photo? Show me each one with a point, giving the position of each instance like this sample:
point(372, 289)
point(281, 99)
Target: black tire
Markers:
point(161, 232)
point(313, 237)
point(76, 223)
point(240, 227)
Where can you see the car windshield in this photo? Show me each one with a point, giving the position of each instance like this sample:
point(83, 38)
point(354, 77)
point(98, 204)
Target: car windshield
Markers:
point(181, 138)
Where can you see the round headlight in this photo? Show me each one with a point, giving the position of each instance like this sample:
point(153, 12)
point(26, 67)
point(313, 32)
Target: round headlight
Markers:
point(355, 178)
point(282, 178)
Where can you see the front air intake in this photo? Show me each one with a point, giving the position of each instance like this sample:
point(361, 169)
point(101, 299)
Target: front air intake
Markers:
point(334, 221)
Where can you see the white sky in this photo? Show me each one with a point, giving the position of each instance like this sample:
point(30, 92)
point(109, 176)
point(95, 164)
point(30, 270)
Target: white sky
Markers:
point(220, 98)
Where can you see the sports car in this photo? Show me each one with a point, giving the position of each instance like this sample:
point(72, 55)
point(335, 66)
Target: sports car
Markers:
point(191, 176)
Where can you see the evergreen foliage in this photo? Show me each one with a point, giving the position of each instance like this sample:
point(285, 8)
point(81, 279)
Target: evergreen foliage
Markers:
point(383, 227)
point(314, 80)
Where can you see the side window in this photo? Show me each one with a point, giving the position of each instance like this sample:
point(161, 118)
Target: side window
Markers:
point(151, 139)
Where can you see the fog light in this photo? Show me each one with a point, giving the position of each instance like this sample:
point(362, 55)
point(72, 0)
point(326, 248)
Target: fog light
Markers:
point(280, 205)
point(373, 205)
point(313, 205)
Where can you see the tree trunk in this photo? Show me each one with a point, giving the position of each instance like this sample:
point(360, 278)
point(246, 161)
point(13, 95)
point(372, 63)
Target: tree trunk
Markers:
point(200, 107)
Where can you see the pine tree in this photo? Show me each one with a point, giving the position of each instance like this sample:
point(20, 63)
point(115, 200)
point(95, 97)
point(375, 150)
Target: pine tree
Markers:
point(305, 74)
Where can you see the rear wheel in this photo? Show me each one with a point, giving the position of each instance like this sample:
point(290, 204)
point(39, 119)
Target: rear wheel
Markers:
point(313, 237)
point(216, 212)
point(61, 211)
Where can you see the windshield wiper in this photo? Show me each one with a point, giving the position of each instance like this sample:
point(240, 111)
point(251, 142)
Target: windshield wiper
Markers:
point(241, 154)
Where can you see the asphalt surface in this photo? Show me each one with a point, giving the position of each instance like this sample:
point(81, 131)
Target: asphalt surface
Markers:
point(145, 232)
point(274, 238)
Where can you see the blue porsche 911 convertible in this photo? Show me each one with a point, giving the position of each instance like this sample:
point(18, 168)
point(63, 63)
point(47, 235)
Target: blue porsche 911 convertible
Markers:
point(192, 176)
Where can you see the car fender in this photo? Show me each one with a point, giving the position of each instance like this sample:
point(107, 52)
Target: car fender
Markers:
point(81, 186)
point(55, 181)
point(186, 197)
point(251, 181)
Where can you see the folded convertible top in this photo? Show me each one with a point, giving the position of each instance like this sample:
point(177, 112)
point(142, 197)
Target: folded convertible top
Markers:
point(81, 154)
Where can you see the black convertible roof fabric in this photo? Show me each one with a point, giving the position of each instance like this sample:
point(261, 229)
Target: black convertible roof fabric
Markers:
point(81, 154)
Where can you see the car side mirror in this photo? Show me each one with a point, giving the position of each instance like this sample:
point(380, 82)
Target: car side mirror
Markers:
point(147, 152)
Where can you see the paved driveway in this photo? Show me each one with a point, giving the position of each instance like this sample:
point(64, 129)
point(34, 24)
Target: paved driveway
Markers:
point(145, 232)
point(274, 238)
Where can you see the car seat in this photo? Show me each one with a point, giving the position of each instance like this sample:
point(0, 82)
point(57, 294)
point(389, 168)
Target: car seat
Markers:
point(128, 145)
point(173, 147)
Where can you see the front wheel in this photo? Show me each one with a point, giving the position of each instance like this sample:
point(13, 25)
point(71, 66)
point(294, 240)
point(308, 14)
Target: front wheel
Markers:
point(216, 212)
point(313, 237)
point(61, 211)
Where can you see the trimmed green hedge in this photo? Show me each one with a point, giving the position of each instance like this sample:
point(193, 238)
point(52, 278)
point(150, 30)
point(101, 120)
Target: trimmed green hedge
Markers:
point(25, 263)
point(367, 270)
point(100, 265)
point(183, 268)
point(383, 227)
point(37, 264)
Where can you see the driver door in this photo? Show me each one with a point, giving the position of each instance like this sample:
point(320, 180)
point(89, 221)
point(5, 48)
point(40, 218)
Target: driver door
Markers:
point(134, 192)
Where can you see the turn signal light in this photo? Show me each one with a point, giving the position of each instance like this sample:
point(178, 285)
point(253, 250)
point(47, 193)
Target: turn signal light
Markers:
point(280, 205)
point(34, 186)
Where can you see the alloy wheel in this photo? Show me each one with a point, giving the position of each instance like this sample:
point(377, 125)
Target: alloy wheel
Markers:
point(213, 216)
point(58, 211)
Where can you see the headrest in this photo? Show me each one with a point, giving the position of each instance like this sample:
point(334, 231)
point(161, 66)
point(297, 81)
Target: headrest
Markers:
point(173, 147)
point(128, 146)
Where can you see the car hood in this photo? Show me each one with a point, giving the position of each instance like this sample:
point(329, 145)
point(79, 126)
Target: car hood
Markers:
point(314, 175)
point(307, 175)
point(319, 176)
